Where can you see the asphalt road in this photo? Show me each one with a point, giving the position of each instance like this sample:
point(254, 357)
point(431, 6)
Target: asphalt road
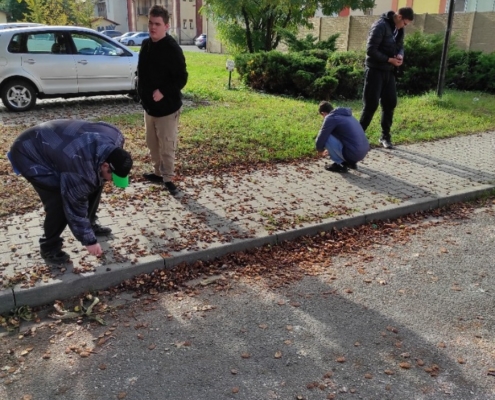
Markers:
point(408, 317)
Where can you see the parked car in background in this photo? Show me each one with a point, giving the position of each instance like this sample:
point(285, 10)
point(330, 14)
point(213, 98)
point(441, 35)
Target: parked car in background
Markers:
point(111, 33)
point(200, 41)
point(118, 38)
point(136, 39)
point(62, 61)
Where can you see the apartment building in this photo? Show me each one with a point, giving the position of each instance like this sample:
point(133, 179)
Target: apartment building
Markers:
point(423, 7)
point(185, 21)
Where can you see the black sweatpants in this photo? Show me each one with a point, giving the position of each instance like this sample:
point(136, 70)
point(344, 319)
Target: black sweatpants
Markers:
point(379, 87)
point(55, 220)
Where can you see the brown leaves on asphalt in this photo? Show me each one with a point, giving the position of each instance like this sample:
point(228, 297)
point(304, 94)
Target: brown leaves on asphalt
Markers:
point(289, 262)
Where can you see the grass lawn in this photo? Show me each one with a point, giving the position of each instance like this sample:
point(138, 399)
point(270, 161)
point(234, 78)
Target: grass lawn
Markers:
point(224, 128)
point(238, 126)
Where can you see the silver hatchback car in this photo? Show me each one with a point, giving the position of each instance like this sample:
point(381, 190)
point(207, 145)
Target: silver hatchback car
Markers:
point(62, 61)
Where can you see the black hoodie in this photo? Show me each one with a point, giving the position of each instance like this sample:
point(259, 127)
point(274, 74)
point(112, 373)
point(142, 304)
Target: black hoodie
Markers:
point(161, 66)
point(381, 42)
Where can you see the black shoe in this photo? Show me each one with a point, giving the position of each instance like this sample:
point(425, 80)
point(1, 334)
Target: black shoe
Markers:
point(100, 230)
point(386, 143)
point(336, 168)
point(351, 165)
point(170, 186)
point(153, 177)
point(55, 257)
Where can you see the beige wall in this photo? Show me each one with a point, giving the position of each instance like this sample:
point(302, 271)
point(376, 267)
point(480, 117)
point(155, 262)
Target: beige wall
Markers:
point(470, 31)
point(187, 13)
point(3, 17)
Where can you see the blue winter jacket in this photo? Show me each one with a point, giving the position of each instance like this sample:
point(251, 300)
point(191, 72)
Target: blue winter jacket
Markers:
point(66, 156)
point(341, 124)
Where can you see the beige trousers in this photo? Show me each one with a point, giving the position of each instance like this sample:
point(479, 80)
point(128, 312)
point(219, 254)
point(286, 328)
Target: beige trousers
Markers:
point(161, 139)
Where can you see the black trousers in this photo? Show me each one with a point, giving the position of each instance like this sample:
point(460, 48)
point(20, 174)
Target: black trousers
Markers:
point(55, 219)
point(379, 87)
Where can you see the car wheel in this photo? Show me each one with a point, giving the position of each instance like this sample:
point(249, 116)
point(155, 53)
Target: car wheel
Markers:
point(131, 43)
point(18, 95)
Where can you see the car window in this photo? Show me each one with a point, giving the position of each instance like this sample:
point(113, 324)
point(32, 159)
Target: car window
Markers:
point(41, 42)
point(93, 45)
point(15, 44)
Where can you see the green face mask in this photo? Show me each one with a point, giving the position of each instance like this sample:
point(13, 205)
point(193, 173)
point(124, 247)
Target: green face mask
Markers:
point(119, 181)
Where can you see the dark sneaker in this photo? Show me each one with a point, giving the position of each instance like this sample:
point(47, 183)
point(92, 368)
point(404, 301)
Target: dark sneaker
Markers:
point(386, 143)
point(170, 186)
point(153, 177)
point(351, 165)
point(55, 257)
point(100, 230)
point(336, 168)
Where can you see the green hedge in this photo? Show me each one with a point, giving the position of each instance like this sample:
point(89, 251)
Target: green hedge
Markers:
point(325, 74)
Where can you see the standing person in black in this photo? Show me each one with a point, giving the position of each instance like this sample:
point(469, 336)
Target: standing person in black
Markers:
point(384, 53)
point(162, 74)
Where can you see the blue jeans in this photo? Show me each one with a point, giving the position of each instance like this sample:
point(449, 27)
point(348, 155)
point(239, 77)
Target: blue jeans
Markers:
point(334, 147)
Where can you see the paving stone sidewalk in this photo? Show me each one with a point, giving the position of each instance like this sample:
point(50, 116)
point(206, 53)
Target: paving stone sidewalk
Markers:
point(215, 215)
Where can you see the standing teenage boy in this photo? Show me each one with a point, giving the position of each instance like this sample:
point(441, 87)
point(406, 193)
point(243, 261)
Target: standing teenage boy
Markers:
point(162, 74)
point(384, 53)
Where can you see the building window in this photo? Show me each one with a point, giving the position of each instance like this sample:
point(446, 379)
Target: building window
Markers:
point(190, 24)
point(459, 6)
point(184, 24)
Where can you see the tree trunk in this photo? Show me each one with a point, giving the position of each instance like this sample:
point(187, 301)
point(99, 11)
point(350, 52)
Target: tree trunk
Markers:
point(249, 37)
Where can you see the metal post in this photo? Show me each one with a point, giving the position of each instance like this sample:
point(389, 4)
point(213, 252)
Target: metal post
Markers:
point(230, 77)
point(445, 51)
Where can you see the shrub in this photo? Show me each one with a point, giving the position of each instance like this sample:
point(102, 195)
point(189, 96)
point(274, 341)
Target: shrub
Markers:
point(421, 67)
point(322, 74)
point(348, 70)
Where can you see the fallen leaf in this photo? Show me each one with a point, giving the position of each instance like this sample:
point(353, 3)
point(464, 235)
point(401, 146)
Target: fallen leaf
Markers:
point(389, 372)
point(278, 354)
point(263, 326)
point(151, 346)
point(235, 390)
point(245, 355)
point(122, 395)
point(340, 359)
point(368, 376)
point(405, 365)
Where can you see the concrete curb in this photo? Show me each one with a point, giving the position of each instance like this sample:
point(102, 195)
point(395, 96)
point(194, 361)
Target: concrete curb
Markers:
point(71, 285)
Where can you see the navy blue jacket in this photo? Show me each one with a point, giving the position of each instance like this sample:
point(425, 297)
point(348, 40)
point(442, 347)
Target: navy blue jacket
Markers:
point(161, 66)
point(341, 124)
point(66, 156)
point(381, 43)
